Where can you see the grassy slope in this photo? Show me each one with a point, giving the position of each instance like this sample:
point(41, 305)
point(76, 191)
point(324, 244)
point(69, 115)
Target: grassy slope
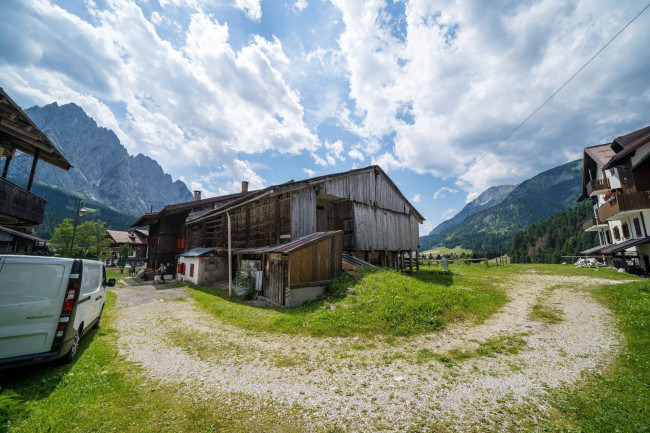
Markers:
point(386, 303)
point(444, 250)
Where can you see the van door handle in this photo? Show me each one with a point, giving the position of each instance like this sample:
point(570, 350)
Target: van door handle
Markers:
point(98, 298)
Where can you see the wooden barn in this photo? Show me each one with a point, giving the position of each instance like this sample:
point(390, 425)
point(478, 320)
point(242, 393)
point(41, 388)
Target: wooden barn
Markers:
point(167, 231)
point(377, 222)
point(292, 273)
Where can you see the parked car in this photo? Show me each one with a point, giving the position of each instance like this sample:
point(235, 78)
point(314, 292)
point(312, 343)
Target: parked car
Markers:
point(46, 305)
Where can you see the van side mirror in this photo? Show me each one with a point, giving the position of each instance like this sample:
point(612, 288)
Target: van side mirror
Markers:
point(111, 282)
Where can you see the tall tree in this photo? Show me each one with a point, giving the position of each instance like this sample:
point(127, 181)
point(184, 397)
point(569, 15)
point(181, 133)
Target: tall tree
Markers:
point(123, 253)
point(90, 240)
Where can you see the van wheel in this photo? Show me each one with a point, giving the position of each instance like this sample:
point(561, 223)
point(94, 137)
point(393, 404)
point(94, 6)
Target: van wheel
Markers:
point(99, 319)
point(72, 353)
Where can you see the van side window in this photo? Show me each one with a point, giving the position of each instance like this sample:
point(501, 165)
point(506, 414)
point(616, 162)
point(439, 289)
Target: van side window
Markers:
point(103, 276)
point(90, 278)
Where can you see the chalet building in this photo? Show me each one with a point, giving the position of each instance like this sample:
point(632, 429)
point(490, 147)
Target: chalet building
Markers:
point(616, 176)
point(18, 242)
point(167, 230)
point(20, 210)
point(138, 239)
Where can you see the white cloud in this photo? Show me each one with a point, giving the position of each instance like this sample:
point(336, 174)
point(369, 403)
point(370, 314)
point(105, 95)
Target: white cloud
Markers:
point(356, 154)
point(440, 193)
point(198, 103)
point(458, 76)
point(309, 172)
point(448, 214)
point(386, 161)
point(416, 198)
point(252, 8)
point(299, 6)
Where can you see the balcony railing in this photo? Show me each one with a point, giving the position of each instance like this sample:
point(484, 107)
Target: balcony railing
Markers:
point(633, 201)
point(597, 185)
point(591, 223)
point(18, 206)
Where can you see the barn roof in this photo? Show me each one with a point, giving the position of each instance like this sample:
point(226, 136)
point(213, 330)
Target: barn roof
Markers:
point(17, 129)
point(293, 185)
point(291, 246)
point(217, 202)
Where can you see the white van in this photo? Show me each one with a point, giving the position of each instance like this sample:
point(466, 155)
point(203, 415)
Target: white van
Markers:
point(46, 305)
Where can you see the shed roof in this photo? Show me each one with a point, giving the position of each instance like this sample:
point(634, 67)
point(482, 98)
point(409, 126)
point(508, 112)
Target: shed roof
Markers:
point(17, 129)
point(196, 252)
point(291, 246)
point(291, 185)
point(21, 234)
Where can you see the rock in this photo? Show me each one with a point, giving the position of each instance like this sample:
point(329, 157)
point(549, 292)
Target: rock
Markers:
point(103, 168)
point(564, 263)
point(332, 307)
point(351, 291)
point(621, 270)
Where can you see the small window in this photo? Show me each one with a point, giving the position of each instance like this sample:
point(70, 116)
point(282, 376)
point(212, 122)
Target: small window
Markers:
point(191, 269)
point(637, 228)
point(609, 237)
point(617, 234)
point(626, 231)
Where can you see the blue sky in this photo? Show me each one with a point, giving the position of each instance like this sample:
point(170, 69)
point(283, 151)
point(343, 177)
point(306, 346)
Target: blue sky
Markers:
point(266, 91)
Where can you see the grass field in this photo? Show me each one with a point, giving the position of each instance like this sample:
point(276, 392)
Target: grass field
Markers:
point(385, 302)
point(444, 250)
point(101, 392)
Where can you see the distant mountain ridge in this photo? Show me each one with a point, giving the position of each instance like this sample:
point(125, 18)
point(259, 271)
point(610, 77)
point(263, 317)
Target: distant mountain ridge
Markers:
point(103, 169)
point(492, 228)
point(488, 198)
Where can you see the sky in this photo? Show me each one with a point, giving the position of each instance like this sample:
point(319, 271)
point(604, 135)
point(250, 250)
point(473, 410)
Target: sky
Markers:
point(220, 91)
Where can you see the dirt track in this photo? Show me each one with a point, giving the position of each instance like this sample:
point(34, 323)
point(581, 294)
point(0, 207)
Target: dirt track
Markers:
point(366, 384)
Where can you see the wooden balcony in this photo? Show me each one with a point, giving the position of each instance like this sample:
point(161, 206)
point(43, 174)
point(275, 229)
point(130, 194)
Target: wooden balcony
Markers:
point(592, 224)
point(623, 204)
point(19, 207)
point(598, 186)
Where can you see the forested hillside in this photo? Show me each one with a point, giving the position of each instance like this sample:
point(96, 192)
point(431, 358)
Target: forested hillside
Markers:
point(534, 199)
point(559, 235)
point(62, 204)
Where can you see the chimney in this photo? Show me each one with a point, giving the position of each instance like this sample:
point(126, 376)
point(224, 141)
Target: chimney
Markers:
point(244, 186)
point(197, 195)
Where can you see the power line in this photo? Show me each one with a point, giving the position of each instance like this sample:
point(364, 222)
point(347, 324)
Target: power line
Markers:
point(551, 97)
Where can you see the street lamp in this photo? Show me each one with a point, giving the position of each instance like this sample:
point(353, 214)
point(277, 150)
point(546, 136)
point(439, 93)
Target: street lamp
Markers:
point(80, 212)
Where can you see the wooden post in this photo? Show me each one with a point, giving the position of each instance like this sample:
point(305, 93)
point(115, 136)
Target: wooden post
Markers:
point(229, 259)
point(411, 262)
point(366, 256)
point(403, 261)
point(31, 173)
point(417, 261)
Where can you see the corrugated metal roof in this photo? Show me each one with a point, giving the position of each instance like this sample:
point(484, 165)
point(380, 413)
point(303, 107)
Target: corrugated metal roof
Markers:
point(609, 249)
point(289, 247)
point(196, 252)
point(351, 263)
point(594, 250)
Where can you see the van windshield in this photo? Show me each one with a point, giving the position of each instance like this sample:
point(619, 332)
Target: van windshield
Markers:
point(22, 282)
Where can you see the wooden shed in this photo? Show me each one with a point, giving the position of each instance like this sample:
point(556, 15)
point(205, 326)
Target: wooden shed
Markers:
point(298, 271)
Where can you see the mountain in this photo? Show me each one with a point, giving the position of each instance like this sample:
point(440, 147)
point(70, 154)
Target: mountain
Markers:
point(492, 229)
point(559, 235)
point(103, 169)
point(488, 198)
point(62, 203)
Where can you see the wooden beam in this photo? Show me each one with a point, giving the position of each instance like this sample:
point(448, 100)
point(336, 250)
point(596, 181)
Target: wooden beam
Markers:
point(11, 156)
point(31, 173)
point(417, 261)
point(26, 136)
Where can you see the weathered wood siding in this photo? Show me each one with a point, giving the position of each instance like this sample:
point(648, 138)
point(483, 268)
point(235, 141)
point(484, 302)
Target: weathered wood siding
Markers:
point(367, 187)
point(263, 222)
point(275, 278)
point(379, 229)
point(320, 261)
point(303, 213)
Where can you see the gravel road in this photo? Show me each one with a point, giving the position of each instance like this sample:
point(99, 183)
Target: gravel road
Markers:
point(370, 384)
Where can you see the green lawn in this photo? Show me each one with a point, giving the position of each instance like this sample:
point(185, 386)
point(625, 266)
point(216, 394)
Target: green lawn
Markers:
point(385, 302)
